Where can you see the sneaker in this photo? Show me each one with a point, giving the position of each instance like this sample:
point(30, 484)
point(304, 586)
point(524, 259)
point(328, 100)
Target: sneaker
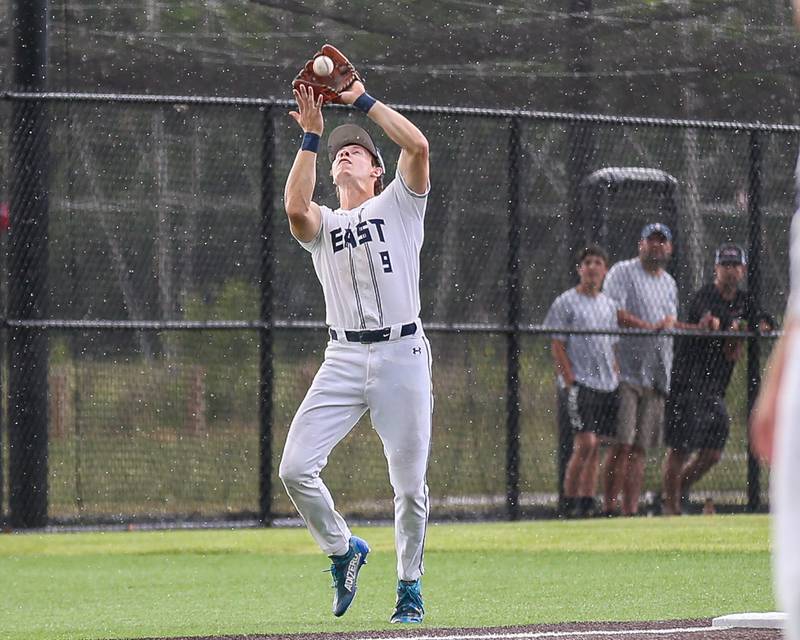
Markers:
point(409, 607)
point(344, 570)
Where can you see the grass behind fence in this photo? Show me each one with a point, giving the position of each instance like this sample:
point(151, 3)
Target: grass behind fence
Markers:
point(170, 583)
point(175, 436)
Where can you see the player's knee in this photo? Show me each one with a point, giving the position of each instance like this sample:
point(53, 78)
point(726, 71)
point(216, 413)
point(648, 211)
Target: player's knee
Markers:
point(409, 496)
point(291, 473)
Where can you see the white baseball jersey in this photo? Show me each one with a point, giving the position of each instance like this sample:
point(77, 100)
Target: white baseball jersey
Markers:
point(785, 473)
point(367, 259)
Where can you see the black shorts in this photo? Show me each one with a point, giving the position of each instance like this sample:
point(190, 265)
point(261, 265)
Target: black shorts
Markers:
point(696, 422)
point(588, 410)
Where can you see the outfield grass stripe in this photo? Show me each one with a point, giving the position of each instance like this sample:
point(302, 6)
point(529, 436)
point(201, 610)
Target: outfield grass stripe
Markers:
point(531, 635)
point(232, 583)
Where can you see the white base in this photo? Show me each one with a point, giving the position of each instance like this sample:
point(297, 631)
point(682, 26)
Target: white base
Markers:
point(767, 620)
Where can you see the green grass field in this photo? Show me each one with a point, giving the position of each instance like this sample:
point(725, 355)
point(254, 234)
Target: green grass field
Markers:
point(170, 583)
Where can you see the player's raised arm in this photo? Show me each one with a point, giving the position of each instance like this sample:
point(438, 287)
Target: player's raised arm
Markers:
point(304, 214)
point(333, 77)
point(413, 162)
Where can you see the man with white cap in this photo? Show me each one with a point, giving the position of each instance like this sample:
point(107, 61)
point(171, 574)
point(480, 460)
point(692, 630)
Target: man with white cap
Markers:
point(366, 256)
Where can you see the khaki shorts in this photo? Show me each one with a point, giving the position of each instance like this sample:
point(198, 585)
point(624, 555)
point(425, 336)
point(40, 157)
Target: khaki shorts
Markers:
point(640, 418)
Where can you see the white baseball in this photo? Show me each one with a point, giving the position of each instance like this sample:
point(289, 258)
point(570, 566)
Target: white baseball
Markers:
point(323, 66)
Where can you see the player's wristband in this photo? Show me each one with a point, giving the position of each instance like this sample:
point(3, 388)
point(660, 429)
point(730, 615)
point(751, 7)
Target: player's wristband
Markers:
point(310, 142)
point(364, 102)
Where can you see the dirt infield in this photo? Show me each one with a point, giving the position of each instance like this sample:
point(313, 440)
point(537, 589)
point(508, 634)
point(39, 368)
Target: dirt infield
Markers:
point(698, 629)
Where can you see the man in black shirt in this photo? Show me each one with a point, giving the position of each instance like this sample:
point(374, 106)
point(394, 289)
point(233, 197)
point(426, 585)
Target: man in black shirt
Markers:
point(696, 417)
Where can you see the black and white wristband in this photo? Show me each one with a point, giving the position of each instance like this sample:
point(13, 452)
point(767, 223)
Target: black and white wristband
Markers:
point(310, 142)
point(364, 102)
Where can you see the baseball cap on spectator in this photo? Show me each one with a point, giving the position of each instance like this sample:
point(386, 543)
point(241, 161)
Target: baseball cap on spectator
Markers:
point(656, 227)
point(729, 253)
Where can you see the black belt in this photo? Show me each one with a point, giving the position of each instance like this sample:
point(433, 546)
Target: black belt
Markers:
point(375, 335)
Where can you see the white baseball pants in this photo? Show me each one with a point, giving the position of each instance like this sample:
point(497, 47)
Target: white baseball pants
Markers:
point(785, 492)
point(393, 381)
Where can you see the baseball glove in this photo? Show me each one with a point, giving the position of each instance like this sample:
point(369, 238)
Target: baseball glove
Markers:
point(330, 87)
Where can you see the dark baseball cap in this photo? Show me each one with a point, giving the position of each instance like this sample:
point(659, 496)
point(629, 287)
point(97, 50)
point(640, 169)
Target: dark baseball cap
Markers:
point(656, 227)
point(346, 134)
point(729, 253)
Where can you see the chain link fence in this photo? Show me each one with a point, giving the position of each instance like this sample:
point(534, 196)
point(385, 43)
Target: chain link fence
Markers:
point(182, 324)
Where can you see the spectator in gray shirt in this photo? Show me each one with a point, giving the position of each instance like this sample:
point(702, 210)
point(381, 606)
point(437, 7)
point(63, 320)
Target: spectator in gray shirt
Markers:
point(586, 371)
point(648, 299)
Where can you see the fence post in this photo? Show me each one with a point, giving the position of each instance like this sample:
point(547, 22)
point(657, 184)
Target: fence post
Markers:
point(514, 295)
point(27, 271)
point(265, 332)
point(754, 286)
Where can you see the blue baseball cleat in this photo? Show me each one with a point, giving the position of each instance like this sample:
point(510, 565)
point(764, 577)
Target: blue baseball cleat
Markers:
point(409, 607)
point(345, 574)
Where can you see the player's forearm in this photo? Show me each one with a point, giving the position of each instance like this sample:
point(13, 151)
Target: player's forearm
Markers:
point(300, 184)
point(400, 129)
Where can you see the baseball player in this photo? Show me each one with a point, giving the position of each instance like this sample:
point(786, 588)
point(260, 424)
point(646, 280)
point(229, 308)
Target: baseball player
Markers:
point(775, 434)
point(366, 256)
point(775, 437)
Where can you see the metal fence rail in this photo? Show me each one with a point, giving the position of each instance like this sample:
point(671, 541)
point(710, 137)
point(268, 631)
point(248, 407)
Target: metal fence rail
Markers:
point(162, 325)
